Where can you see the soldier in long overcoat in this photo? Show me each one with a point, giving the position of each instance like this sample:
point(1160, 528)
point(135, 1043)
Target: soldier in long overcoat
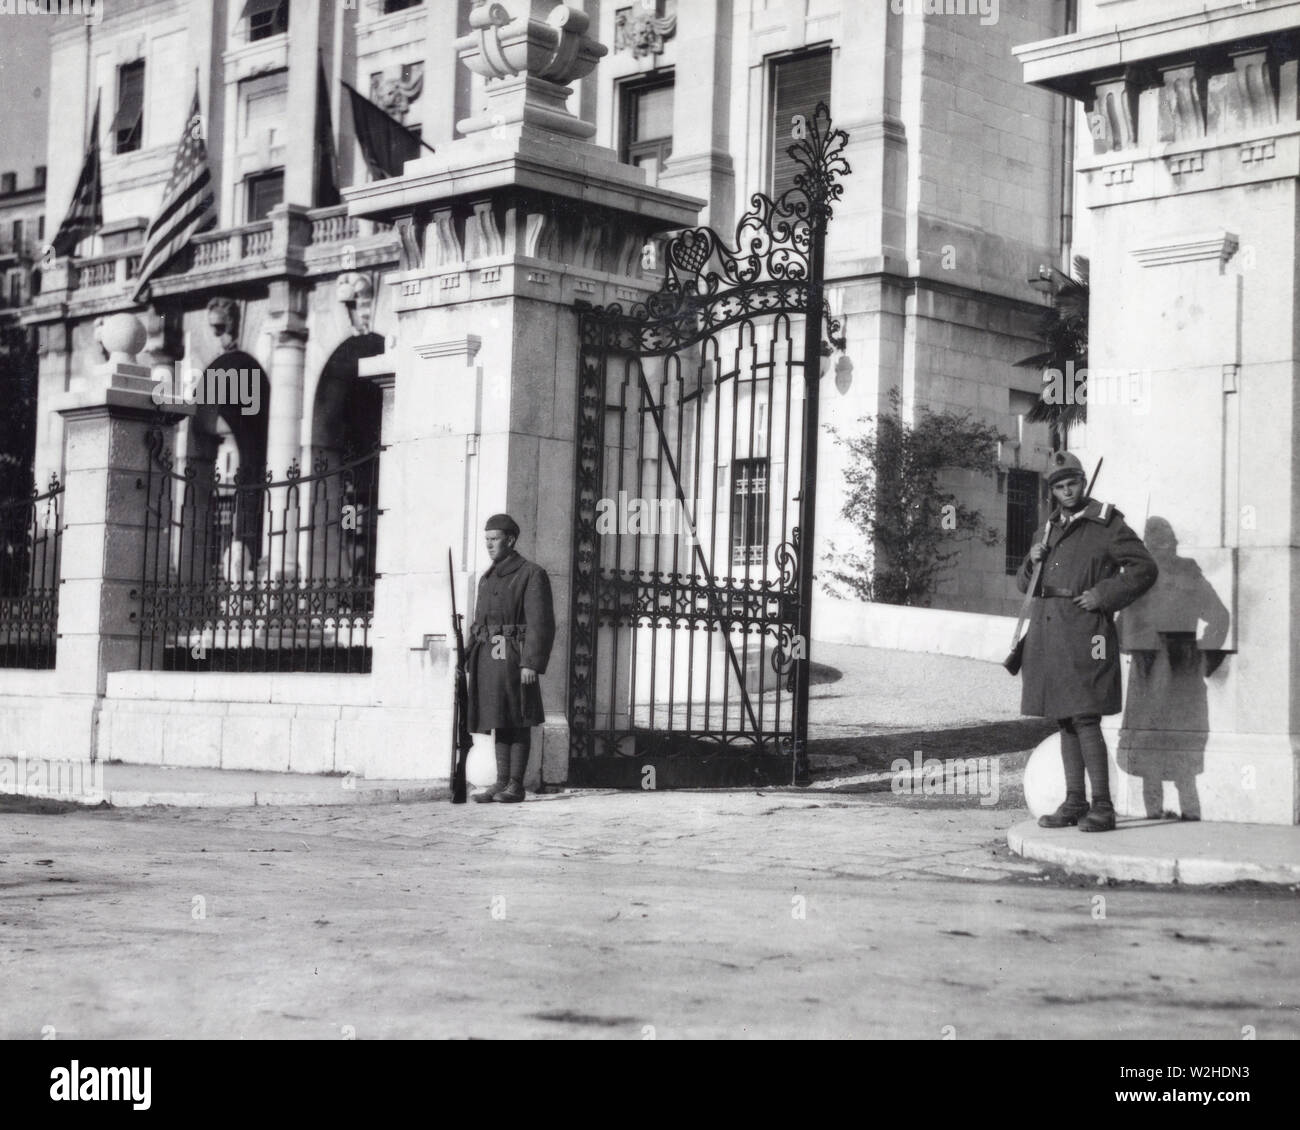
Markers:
point(1093, 565)
point(511, 637)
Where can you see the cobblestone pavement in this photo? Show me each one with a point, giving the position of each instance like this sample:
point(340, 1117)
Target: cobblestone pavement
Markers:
point(720, 914)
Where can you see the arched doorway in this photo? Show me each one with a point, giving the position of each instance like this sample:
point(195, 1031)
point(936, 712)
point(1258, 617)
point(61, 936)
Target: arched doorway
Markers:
point(230, 428)
point(346, 412)
point(346, 418)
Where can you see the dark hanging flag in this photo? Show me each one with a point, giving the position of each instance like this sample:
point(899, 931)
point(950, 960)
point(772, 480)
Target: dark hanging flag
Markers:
point(86, 213)
point(188, 205)
point(327, 161)
point(386, 144)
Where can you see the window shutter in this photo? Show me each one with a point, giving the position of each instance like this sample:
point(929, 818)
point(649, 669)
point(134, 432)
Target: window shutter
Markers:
point(130, 106)
point(798, 84)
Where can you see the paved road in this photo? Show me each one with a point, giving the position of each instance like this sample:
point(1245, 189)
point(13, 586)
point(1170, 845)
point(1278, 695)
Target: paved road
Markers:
point(620, 916)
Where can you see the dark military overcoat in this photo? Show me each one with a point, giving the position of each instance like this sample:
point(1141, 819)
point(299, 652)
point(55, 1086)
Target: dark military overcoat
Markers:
point(1071, 655)
point(514, 627)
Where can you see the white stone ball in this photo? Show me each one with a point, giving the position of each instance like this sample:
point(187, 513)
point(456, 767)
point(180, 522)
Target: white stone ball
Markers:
point(1045, 777)
point(123, 335)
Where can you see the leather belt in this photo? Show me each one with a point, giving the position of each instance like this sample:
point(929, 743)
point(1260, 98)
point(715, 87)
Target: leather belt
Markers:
point(1052, 590)
point(485, 632)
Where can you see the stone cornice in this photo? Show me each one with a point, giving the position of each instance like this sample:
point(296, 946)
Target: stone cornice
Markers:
point(246, 60)
point(261, 270)
point(573, 171)
point(468, 346)
point(1217, 245)
point(22, 198)
point(1250, 158)
point(520, 275)
point(1067, 64)
point(402, 29)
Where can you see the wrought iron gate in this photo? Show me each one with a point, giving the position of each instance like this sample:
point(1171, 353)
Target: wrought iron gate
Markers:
point(694, 498)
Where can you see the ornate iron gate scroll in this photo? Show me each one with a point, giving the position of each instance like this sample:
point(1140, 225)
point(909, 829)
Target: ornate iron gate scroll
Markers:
point(695, 490)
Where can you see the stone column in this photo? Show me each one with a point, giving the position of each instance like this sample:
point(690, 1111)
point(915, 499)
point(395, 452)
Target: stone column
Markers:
point(284, 420)
point(54, 371)
point(447, 88)
point(103, 536)
point(700, 163)
point(1194, 192)
point(505, 230)
point(305, 18)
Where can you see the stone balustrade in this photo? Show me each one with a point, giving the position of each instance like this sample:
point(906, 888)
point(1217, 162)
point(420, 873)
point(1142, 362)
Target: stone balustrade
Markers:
point(336, 241)
point(104, 271)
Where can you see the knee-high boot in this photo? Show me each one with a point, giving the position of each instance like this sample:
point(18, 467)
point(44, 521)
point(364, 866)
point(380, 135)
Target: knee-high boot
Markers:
point(519, 749)
point(1075, 805)
point(1101, 816)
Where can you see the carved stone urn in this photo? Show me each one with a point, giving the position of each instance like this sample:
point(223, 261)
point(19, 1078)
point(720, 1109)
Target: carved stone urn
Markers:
point(528, 59)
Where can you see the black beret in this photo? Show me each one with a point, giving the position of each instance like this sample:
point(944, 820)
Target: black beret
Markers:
point(504, 523)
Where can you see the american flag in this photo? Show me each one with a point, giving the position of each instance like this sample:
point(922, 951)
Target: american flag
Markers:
point(188, 205)
point(86, 213)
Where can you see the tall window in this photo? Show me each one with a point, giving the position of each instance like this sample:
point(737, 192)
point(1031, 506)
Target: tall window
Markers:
point(18, 234)
point(646, 134)
point(128, 123)
point(266, 18)
point(266, 109)
point(265, 191)
point(748, 511)
point(1022, 516)
point(8, 183)
point(798, 84)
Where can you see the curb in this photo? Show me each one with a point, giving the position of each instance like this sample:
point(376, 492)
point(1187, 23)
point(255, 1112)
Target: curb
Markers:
point(1060, 846)
point(123, 798)
point(138, 798)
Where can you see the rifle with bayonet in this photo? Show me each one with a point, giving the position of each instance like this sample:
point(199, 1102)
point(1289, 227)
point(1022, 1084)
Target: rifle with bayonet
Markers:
point(461, 739)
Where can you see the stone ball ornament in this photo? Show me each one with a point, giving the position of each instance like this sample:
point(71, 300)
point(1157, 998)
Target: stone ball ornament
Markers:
point(123, 336)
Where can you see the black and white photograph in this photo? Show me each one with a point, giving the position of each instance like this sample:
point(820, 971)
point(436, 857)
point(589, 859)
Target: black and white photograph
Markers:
point(650, 520)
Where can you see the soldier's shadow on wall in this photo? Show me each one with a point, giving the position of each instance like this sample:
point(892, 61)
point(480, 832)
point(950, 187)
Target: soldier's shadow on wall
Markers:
point(1173, 657)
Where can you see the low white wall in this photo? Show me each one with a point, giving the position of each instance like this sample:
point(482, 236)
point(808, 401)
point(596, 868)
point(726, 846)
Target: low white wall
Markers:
point(296, 722)
point(969, 635)
point(37, 721)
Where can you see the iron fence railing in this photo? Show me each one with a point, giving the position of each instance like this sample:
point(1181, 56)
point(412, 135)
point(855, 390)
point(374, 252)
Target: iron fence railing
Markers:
point(31, 531)
point(258, 574)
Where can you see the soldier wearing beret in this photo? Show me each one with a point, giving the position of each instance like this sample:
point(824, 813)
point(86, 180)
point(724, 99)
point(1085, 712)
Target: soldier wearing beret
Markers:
point(511, 637)
point(1093, 565)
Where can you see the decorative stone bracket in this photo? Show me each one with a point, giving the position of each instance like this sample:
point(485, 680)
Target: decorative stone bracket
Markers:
point(1242, 88)
point(536, 227)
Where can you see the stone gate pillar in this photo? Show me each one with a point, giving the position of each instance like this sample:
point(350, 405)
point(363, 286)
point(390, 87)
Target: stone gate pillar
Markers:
point(103, 536)
point(1193, 191)
point(502, 233)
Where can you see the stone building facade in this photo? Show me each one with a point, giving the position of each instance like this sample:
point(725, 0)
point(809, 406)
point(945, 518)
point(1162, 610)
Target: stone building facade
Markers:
point(958, 198)
point(959, 195)
point(1189, 172)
